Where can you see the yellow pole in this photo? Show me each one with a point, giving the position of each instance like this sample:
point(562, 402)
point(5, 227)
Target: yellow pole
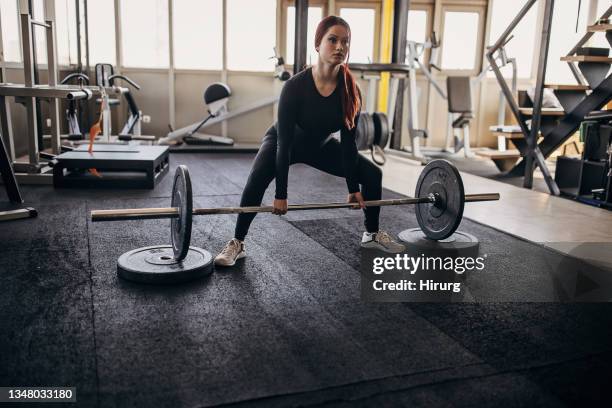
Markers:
point(385, 53)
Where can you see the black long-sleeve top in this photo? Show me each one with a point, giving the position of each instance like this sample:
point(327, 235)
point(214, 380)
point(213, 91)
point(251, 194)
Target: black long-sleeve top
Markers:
point(303, 110)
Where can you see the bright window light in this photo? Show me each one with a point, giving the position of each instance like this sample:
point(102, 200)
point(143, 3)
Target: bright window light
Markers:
point(417, 26)
point(521, 46)
point(362, 22)
point(563, 37)
point(65, 33)
point(40, 37)
point(101, 27)
point(315, 15)
point(251, 35)
point(459, 40)
point(198, 34)
point(10, 30)
point(144, 28)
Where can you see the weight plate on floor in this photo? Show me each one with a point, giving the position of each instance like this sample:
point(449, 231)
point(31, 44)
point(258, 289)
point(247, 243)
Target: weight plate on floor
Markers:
point(156, 264)
point(381, 129)
point(182, 198)
point(364, 134)
point(438, 221)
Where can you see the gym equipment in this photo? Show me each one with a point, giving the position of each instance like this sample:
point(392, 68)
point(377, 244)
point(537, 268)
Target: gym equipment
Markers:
point(364, 134)
point(459, 91)
point(182, 200)
point(105, 77)
point(12, 189)
point(381, 129)
point(120, 166)
point(216, 97)
point(175, 263)
point(440, 219)
point(372, 134)
point(398, 73)
point(381, 137)
point(439, 209)
point(460, 108)
point(72, 113)
point(37, 169)
point(220, 114)
point(459, 244)
point(20, 213)
point(157, 265)
point(131, 130)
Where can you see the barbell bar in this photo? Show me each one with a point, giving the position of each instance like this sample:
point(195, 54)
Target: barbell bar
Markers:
point(172, 212)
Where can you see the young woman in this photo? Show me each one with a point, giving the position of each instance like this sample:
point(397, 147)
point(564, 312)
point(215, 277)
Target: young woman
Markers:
point(313, 104)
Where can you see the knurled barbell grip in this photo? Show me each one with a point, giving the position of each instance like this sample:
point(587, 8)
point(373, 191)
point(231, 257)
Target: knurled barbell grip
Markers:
point(169, 212)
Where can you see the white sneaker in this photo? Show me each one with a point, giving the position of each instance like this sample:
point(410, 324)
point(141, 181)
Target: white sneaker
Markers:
point(232, 251)
point(383, 241)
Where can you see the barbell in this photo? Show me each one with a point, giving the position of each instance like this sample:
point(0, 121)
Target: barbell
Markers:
point(439, 200)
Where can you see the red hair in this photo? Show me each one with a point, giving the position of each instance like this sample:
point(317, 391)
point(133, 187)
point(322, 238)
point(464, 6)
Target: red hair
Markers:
point(351, 97)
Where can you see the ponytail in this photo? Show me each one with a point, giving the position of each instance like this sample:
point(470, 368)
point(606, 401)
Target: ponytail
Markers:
point(351, 97)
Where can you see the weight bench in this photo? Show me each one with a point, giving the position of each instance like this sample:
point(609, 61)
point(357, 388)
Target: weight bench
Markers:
point(459, 92)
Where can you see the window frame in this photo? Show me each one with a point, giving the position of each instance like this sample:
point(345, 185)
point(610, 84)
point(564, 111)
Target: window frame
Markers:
point(282, 26)
point(376, 5)
point(14, 64)
point(172, 47)
point(225, 29)
point(119, 41)
point(428, 8)
point(480, 37)
point(117, 30)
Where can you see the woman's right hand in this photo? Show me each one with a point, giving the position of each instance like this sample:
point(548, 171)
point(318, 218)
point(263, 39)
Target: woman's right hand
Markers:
point(280, 207)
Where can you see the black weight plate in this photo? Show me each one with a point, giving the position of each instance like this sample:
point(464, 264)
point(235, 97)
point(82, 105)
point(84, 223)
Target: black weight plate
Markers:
point(364, 135)
point(440, 220)
point(156, 264)
point(381, 129)
point(182, 198)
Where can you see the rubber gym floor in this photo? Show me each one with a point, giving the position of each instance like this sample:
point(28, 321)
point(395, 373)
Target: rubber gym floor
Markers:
point(285, 326)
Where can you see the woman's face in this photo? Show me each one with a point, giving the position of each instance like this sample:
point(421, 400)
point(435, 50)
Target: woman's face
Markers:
point(334, 46)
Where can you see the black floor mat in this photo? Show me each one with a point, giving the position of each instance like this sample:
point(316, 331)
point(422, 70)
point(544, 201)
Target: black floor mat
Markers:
point(284, 327)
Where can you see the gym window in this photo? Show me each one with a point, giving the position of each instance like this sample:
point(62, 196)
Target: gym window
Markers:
point(460, 40)
point(364, 31)
point(65, 33)
point(417, 26)
point(11, 37)
point(251, 35)
point(521, 46)
point(144, 31)
point(315, 15)
point(563, 37)
point(38, 32)
point(101, 31)
point(198, 26)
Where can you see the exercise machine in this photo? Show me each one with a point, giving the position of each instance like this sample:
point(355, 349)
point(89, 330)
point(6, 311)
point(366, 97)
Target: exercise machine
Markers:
point(131, 130)
point(57, 167)
point(189, 134)
point(73, 112)
point(458, 95)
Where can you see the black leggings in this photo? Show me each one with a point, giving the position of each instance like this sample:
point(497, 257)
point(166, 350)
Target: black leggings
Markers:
point(327, 158)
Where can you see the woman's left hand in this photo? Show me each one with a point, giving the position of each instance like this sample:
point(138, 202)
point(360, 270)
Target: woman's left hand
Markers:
point(356, 198)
